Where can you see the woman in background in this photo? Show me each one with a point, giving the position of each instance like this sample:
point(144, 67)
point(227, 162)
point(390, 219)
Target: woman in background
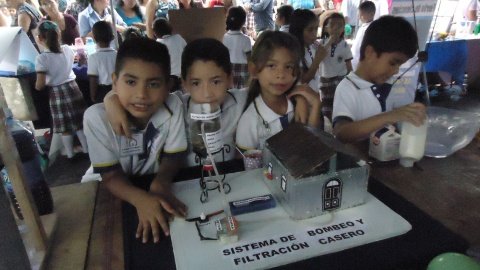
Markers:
point(67, 24)
point(28, 17)
point(131, 14)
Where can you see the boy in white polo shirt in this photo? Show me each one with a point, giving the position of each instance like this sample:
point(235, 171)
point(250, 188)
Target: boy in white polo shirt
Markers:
point(158, 137)
point(101, 63)
point(175, 45)
point(363, 102)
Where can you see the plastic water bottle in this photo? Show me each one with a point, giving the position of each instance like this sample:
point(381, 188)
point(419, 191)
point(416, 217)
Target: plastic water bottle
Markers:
point(412, 143)
point(208, 115)
point(27, 149)
point(90, 46)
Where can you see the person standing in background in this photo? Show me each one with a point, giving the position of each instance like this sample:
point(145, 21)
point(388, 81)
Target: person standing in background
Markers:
point(263, 14)
point(349, 10)
point(314, 5)
point(28, 18)
point(98, 10)
point(67, 24)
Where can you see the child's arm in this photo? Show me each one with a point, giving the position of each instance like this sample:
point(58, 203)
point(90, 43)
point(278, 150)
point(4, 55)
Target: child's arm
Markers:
point(149, 205)
point(93, 84)
point(348, 131)
point(312, 69)
point(314, 103)
point(161, 186)
point(41, 81)
point(116, 115)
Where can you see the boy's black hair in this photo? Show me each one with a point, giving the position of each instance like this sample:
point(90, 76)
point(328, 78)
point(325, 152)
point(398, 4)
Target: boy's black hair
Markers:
point(367, 6)
point(206, 49)
point(390, 34)
point(285, 12)
point(161, 27)
point(102, 32)
point(144, 49)
point(132, 32)
point(236, 18)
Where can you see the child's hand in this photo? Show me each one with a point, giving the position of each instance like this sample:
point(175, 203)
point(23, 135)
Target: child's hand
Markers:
point(301, 109)
point(151, 215)
point(312, 97)
point(414, 113)
point(116, 115)
point(309, 100)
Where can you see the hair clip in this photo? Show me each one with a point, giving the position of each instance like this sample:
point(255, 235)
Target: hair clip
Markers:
point(49, 25)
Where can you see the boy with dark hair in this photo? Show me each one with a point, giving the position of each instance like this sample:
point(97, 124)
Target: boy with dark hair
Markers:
point(175, 45)
point(128, 165)
point(102, 62)
point(283, 17)
point(366, 12)
point(363, 101)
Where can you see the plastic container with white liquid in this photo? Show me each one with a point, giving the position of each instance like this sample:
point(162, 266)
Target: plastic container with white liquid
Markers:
point(412, 143)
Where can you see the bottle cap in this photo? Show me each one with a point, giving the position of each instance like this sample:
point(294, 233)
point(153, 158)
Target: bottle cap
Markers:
point(407, 162)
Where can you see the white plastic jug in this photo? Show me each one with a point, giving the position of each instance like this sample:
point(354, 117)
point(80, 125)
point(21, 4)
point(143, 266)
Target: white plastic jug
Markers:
point(412, 143)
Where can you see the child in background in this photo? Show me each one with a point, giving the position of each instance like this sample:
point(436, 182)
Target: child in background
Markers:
point(283, 17)
point(139, 169)
point(175, 44)
point(363, 100)
point(54, 69)
point(335, 65)
point(274, 69)
point(206, 76)
point(366, 12)
point(239, 46)
point(101, 63)
point(304, 26)
point(132, 32)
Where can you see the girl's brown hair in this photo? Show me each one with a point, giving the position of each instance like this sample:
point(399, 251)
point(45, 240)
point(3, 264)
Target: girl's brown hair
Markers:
point(263, 49)
point(50, 32)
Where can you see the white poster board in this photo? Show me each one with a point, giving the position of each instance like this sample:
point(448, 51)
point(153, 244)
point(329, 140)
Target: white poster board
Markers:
point(15, 47)
point(406, 87)
point(270, 238)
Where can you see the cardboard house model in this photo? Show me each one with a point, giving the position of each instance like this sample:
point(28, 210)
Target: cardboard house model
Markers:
point(309, 175)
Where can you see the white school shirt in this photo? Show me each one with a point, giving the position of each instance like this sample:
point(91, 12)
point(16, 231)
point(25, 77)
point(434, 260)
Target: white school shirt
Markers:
point(309, 55)
point(56, 66)
point(381, 8)
point(334, 63)
point(175, 45)
point(357, 43)
point(354, 99)
point(163, 136)
point(231, 110)
point(254, 128)
point(349, 9)
point(102, 64)
point(238, 45)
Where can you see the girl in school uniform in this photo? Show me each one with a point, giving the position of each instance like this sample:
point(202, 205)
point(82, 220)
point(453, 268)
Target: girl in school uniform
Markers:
point(304, 26)
point(54, 70)
point(239, 46)
point(337, 62)
point(274, 70)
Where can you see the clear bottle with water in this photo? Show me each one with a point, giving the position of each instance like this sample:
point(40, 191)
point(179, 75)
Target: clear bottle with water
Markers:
point(207, 115)
point(24, 138)
point(90, 46)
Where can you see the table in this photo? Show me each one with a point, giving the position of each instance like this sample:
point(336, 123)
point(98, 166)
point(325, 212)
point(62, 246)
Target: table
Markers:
point(456, 57)
point(406, 189)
